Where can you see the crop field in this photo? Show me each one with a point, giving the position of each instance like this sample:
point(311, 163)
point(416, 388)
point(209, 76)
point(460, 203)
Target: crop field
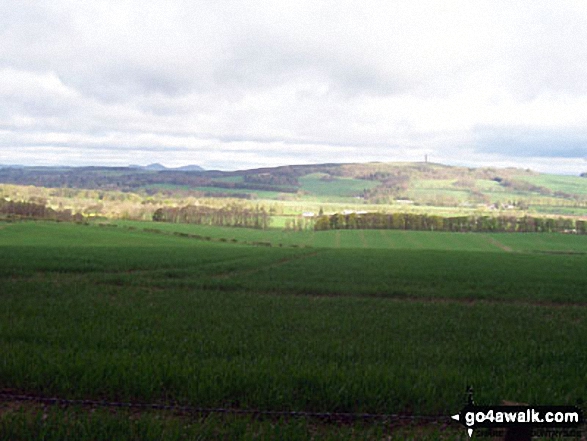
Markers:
point(377, 323)
point(334, 187)
point(564, 210)
point(566, 184)
point(488, 185)
point(228, 191)
point(430, 193)
point(383, 239)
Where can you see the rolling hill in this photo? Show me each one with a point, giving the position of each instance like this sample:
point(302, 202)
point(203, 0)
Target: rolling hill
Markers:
point(424, 184)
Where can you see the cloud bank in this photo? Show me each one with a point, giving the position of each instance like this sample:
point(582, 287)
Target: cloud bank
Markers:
point(232, 84)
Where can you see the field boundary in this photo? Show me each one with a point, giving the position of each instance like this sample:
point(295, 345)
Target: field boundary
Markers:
point(363, 239)
point(498, 244)
point(444, 300)
point(327, 416)
point(567, 252)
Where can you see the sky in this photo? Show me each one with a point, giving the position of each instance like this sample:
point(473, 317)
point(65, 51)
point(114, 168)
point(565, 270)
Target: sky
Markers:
point(241, 84)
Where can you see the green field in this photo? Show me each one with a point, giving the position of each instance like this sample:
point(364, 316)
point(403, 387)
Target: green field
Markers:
point(358, 321)
point(565, 210)
point(381, 239)
point(566, 184)
point(259, 194)
point(316, 185)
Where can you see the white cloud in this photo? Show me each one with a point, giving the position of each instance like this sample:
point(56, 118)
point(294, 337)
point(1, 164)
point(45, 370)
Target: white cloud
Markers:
point(305, 81)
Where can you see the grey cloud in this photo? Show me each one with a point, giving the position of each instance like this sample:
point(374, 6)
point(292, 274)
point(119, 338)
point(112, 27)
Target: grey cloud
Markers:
point(531, 142)
point(263, 63)
point(106, 62)
point(120, 84)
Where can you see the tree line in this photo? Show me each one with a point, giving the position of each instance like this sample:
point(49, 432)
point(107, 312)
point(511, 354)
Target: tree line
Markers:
point(424, 222)
point(126, 179)
point(250, 185)
point(229, 216)
point(32, 210)
point(272, 179)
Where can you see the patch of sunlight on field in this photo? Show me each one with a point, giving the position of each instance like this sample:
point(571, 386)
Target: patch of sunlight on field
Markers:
point(428, 184)
point(546, 242)
point(376, 239)
point(77, 235)
point(566, 184)
point(488, 185)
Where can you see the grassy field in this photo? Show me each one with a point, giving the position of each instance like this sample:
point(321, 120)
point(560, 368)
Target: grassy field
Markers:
point(566, 184)
point(334, 187)
point(564, 210)
point(259, 194)
point(380, 239)
point(123, 314)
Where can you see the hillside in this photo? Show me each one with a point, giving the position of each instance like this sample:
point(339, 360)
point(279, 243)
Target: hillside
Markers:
point(424, 184)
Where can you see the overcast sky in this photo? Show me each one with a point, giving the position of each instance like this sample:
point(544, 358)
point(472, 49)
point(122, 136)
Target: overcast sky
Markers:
point(250, 83)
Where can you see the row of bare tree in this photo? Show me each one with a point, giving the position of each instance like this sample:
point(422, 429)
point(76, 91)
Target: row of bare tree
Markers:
point(412, 221)
point(229, 216)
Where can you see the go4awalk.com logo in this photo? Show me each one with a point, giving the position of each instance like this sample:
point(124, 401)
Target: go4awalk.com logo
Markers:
point(556, 420)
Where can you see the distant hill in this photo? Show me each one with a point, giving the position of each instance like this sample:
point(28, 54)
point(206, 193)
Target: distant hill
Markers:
point(157, 167)
point(154, 166)
point(190, 168)
point(11, 166)
point(425, 184)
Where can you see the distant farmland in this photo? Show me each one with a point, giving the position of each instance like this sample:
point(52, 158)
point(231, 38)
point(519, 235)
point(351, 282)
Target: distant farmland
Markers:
point(426, 185)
